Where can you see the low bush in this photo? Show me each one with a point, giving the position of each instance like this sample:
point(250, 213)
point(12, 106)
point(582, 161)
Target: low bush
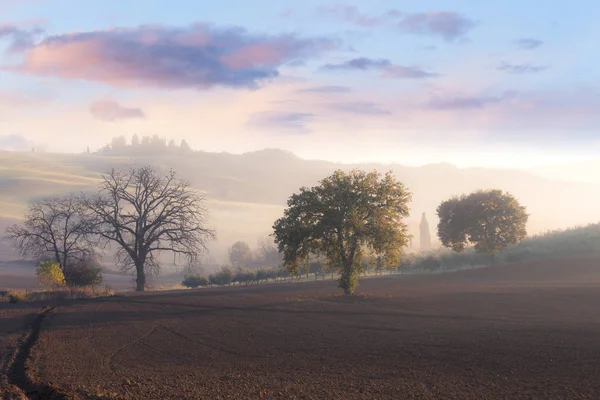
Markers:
point(17, 297)
point(86, 272)
point(194, 281)
point(63, 293)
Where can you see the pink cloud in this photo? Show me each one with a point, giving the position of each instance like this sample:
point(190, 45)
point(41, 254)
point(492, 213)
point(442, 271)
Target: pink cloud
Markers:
point(198, 57)
point(111, 111)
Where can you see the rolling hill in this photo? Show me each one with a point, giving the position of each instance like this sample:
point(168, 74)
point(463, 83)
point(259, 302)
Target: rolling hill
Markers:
point(246, 193)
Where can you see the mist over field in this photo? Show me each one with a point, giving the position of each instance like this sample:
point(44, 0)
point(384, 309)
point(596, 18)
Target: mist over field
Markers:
point(246, 193)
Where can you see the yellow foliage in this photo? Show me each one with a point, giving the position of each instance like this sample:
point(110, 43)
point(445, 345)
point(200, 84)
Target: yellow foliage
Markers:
point(50, 275)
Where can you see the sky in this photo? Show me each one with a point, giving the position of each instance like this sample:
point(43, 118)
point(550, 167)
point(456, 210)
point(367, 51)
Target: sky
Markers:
point(513, 84)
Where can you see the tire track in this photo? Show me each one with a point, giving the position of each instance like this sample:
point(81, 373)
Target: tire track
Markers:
point(18, 370)
point(111, 359)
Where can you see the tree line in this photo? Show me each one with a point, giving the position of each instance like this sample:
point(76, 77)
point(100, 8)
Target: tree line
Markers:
point(349, 222)
point(145, 144)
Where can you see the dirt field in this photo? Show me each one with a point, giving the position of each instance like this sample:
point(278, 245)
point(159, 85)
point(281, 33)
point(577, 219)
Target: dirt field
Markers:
point(521, 331)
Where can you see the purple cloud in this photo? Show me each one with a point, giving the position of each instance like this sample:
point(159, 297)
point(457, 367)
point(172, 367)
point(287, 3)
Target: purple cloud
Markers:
point(459, 102)
point(19, 38)
point(528, 43)
point(352, 14)
point(111, 111)
point(388, 69)
point(361, 107)
point(326, 89)
point(289, 122)
point(521, 68)
point(401, 72)
point(200, 56)
point(448, 25)
point(362, 63)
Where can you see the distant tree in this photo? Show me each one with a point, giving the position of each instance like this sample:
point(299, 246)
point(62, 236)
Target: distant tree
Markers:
point(185, 147)
point(268, 252)
point(239, 254)
point(158, 143)
point(135, 141)
point(490, 220)
point(261, 275)
point(118, 143)
point(407, 263)
point(57, 229)
point(315, 268)
point(172, 144)
point(335, 220)
point(146, 141)
point(145, 213)
point(224, 277)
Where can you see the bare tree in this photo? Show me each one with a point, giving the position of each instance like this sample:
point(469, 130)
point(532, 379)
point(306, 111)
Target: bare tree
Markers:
point(55, 228)
point(144, 214)
point(267, 250)
point(239, 254)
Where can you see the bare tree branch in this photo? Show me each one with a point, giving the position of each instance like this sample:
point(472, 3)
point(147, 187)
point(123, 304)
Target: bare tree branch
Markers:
point(54, 228)
point(145, 213)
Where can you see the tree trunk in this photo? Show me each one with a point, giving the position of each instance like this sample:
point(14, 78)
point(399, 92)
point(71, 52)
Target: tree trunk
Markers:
point(141, 278)
point(348, 279)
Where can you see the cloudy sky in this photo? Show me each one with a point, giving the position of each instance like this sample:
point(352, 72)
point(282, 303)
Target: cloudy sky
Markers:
point(511, 84)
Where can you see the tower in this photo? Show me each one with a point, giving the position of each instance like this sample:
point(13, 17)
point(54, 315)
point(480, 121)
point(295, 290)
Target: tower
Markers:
point(425, 235)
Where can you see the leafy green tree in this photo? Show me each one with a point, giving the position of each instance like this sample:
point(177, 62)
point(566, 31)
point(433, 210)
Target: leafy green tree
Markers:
point(490, 220)
point(345, 213)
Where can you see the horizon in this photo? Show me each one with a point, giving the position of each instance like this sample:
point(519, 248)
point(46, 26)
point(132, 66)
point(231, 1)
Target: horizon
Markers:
point(566, 161)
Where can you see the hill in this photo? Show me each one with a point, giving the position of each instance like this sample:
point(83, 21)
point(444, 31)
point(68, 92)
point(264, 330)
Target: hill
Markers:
point(246, 193)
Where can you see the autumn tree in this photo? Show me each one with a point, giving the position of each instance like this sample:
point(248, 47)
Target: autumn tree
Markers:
point(239, 254)
point(345, 213)
point(56, 229)
point(490, 220)
point(145, 213)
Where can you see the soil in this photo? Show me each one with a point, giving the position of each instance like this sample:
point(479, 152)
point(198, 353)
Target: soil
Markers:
point(526, 331)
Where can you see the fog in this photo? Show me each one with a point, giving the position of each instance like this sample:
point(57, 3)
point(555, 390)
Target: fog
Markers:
point(246, 193)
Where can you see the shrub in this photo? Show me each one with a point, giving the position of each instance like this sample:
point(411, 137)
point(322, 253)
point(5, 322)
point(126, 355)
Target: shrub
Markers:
point(194, 281)
point(407, 262)
point(17, 297)
point(429, 264)
point(50, 275)
point(86, 272)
